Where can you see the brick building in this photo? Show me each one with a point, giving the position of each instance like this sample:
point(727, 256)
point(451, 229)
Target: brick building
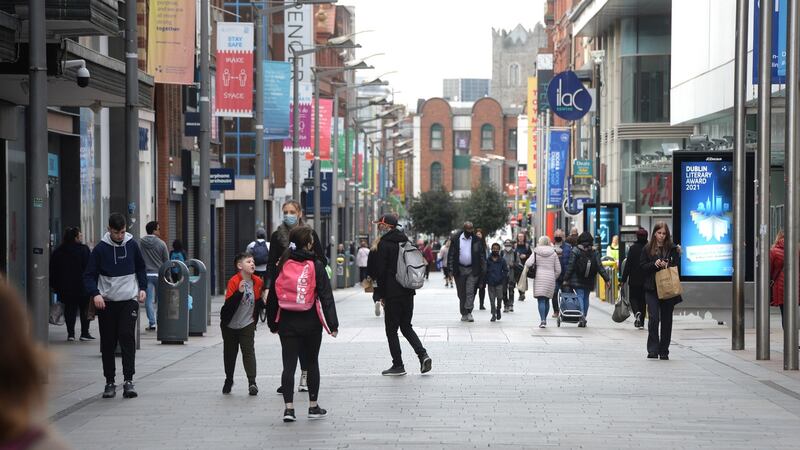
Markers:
point(461, 145)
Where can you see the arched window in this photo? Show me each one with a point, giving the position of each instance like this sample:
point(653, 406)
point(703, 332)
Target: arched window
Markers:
point(487, 137)
point(437, 137)
point(513, 75)
point(436, 176)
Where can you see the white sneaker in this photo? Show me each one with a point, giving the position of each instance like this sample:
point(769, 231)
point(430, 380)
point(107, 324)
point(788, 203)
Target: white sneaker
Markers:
point(378, 309)
point(303, 387)
point(542, 325)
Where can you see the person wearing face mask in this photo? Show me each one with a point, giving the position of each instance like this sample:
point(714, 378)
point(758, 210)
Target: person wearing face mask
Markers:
point(278, 243)
point(512, 259)
point(563, 250)
point(467, 262)
point(496, 279)
point(524, 251)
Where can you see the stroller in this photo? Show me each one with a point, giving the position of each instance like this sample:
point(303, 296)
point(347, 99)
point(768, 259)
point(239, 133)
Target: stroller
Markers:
point(569, 308)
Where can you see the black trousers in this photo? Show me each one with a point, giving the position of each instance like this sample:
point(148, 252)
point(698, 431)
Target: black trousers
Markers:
point(362, 274)
point(398, 313)
point(118, 325)
point(508, 295)
point(555, 296)
point(482, 294)
point(71, 307)
point(660, 315)
point(232, 341)
point(291, 348)
point(636, 296)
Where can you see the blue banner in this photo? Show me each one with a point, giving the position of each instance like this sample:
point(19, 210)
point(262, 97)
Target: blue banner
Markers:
point(557, 166)
point(778, 41)
point(277, 101)
point(326, 194)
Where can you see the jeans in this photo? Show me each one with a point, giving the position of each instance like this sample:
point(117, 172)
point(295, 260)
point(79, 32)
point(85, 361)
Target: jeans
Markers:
point(117, 324)
point(583, 294)
point(291, 348)
point(152, 283)
point(660, 314)
point(544, 308)
point(232, 340)
point(397, 313)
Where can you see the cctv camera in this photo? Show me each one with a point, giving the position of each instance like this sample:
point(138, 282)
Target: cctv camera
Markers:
point(83, 77)
point(83, 74)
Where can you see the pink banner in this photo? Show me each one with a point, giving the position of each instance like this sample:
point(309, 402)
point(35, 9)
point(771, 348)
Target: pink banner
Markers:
point(325, 113)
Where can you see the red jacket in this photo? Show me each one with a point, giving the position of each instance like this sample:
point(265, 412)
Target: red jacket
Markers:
point(776, 273)
point(258, 286)
point(233, 298)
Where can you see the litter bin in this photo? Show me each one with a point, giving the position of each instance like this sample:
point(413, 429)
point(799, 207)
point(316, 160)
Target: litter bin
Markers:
point(173, 304)
point(197, 289)
point(607, 291)
point(340, 269)
point(352, 274)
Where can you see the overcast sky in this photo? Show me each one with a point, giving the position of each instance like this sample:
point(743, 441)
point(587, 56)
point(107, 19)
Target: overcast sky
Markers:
point(426, 41)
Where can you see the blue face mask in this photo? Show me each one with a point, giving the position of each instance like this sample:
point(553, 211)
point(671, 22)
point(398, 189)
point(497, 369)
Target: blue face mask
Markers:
point(290, 220)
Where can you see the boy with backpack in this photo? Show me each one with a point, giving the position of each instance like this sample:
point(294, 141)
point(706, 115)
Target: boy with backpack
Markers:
point(304, 306)
point(496, 279)
point(584, 265)
point(260, 251)
point(238, 318)
point(400, 270)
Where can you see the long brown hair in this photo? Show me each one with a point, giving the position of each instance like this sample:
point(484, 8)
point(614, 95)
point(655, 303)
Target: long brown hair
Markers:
point(23, 366)
point(300, 236)
point(652, 246)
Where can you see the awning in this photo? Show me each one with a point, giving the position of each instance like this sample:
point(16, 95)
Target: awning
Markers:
point(106, 88)
point(592, 17)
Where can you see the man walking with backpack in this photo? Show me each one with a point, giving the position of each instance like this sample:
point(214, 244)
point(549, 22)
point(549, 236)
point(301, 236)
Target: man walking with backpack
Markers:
point(467, 262)
point(400, 270)
point(584, 265)
point(260, 251)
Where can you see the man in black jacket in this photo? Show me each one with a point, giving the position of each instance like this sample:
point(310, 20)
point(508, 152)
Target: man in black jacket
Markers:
point(467, 263)
point(397, 301)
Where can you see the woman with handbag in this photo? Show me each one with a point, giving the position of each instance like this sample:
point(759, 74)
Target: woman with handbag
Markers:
point(545, 268)
point(660, 254)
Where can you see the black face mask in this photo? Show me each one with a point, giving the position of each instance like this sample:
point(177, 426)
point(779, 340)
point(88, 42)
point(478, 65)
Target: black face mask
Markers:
point(559, 239)
point(495, 252)
point(467, 234)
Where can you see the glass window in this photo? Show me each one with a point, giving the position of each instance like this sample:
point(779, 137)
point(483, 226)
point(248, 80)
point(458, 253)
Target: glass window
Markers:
point(487, 137)
point(645, 89)
point(437, 137)
point(511, 175)
point(462, 142)
point(486, 175)
point(647, 176)
point(513, 75)
point(436, 176)
point(648, 35)
point(247, 166)
point(512, 140)
point(461, 173)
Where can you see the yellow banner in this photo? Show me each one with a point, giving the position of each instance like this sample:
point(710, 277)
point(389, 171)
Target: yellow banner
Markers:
point(401, 177)
point(532, 108)
point(170, 41)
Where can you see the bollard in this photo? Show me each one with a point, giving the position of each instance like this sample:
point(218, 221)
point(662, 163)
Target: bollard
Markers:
point(200, 298)
point(352, 277)
point(173, 304)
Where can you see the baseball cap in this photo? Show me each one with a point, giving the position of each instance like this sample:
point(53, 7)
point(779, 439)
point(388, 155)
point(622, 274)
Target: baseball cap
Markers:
point(387, 219)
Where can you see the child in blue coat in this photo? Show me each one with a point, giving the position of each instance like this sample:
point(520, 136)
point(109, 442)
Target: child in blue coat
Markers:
point(496, 279)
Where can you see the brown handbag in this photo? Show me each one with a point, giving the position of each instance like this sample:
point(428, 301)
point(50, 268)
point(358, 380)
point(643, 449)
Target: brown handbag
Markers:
point(668, 283)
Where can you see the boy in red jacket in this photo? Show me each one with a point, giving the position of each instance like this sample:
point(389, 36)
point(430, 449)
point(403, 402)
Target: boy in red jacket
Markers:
point(238, 318)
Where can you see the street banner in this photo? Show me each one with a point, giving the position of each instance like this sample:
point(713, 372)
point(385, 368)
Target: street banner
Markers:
point(532, 108)
point(304, 123)
point(358, 164)
point(401, 177)
point(522, 182)
point(778, 41)
point(559, 149)
point(277, 102)
point(171, 41)
point(234, 69)
point(325, 112)
point(544, 73)
point(345, 149)
point(298, 26)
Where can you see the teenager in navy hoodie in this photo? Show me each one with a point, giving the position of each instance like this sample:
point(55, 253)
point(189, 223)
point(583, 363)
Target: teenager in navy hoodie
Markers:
point(116, 280)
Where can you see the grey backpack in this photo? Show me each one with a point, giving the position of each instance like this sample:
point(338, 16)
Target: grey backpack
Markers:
point(410, 266)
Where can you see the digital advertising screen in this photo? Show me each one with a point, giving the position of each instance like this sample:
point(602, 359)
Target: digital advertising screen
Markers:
point(703, 215)
point(610, 222)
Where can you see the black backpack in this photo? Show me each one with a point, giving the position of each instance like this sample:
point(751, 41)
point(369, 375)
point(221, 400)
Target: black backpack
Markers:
point(260, 253)
point(585, 264)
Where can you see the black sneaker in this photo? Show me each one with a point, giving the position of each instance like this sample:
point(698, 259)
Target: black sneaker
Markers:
point(253, 389)
point(87, 337)
point(70, 338)
point(652, 356)
point(110, 391)
point(317, 413)
point(425, 364)
point(664, 357)
point(280, 390)
point(151, 328)
point(498, 314)
point(394, 371)
point(494, 318)
point(128, 390)
point(288, 415)
point(226, 388)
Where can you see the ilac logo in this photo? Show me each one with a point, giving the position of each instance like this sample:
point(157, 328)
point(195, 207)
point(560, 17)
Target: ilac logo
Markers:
point(567, 99)
point(567, 96)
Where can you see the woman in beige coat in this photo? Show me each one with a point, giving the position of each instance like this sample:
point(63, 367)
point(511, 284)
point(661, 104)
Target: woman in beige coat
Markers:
point(544, 267)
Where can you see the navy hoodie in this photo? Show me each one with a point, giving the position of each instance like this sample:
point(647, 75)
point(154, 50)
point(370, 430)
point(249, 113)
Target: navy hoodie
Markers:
point(116, 271)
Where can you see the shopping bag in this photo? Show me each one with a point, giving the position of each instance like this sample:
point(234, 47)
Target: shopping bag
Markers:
point(622, 310)
point(367, 285)
point(522, 284)
point(668, 283)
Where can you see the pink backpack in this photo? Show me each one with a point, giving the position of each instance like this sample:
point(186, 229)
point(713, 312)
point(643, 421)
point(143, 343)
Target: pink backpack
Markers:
point(296, 289)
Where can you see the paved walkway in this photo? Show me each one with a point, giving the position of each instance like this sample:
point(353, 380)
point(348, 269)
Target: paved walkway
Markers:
point(507, 384)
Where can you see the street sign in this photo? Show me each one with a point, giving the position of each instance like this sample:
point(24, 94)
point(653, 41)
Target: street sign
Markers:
point(582, 168)
point(191, 124)
point(326, 194)
point(222, 179)
point(567, 96)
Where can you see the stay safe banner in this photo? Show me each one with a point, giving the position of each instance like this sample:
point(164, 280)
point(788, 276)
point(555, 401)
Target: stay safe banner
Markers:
point(234, 69)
